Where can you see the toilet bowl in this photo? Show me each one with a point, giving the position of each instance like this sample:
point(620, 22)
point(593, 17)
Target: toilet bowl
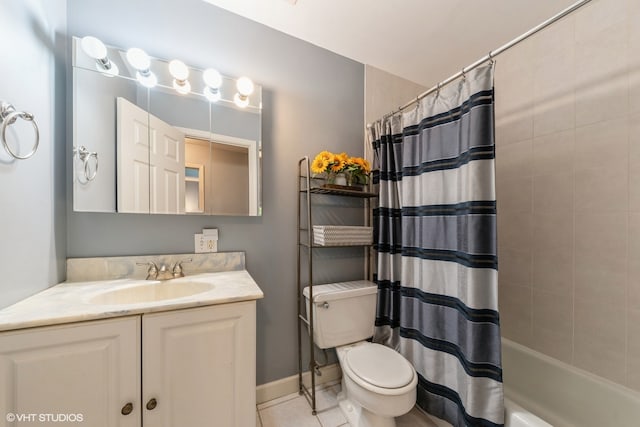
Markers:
point(378, 383)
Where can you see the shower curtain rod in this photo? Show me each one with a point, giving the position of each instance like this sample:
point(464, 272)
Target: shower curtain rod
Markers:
point(492, 55)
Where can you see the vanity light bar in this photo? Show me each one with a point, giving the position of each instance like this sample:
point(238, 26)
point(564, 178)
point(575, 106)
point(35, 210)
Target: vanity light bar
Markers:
point(141, 62)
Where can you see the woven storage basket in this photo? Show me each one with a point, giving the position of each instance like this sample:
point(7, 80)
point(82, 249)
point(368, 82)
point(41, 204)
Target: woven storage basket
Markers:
point(341, 235)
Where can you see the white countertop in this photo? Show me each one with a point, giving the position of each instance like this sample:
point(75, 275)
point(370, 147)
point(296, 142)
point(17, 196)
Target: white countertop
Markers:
point(72, 301)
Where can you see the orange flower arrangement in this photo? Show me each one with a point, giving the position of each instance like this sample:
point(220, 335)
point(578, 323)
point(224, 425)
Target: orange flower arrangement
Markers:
point(356, 169)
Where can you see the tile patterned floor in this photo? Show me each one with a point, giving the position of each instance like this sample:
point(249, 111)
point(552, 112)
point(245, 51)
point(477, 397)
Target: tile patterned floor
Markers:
point(294, 411)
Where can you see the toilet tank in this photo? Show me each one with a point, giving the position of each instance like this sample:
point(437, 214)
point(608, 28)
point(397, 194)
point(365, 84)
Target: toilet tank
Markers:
point(343, 313)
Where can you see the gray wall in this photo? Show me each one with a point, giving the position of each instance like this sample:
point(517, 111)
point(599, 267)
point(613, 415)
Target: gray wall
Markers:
point(313, 100)
point(193, 113)
point(385, 92)
point(32, 192)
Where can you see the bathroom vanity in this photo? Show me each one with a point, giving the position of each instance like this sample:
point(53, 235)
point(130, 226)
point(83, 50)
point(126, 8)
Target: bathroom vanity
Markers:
point(115, 353)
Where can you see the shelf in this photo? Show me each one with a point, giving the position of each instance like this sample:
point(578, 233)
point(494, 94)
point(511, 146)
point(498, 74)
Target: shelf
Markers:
point(306, 245)
point(340, 192)
point(309, 185)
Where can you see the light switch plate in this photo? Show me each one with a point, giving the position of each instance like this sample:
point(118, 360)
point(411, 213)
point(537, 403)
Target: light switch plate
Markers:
point(211, 232)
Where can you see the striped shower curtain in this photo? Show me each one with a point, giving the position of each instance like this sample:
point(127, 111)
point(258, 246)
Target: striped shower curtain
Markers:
point(435, 230)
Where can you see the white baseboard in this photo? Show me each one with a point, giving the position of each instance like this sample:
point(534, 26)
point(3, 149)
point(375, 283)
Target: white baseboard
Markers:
point(288, 385)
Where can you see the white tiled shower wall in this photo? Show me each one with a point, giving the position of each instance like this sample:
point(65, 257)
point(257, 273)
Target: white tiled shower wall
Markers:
point(568, 190)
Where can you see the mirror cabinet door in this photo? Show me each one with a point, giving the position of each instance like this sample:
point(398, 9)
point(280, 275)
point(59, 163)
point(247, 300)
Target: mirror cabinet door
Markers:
point(110, 112)
point(234, 181)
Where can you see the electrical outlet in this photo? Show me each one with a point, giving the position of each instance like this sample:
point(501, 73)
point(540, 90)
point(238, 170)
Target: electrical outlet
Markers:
point(211, 244)
point(205, 243)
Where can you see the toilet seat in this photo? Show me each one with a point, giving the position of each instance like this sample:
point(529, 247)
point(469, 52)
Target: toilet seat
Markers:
point(379, 366)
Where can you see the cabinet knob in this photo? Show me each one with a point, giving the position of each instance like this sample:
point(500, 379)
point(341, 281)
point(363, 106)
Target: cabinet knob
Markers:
point(151, 404)
point(127, 409)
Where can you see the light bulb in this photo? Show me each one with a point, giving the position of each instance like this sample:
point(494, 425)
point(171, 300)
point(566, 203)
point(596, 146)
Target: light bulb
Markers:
point(138, 59)
point(212, 78)
point(241, 100)
point(213, 95)
point(147, 80)
point(178, 70)
point(94, 47)
point(245, 86)
point(182, 86)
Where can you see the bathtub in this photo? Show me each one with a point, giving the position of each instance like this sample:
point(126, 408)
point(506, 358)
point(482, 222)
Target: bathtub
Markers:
point(560, 394)
point(514, 416)
point(543, 392)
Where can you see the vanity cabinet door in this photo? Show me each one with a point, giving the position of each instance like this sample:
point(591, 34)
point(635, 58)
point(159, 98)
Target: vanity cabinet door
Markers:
point(77, 374)
point(199, 366)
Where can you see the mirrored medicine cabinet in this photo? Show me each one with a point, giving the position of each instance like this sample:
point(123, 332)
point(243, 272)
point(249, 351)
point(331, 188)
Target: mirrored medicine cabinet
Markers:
point(157, 137)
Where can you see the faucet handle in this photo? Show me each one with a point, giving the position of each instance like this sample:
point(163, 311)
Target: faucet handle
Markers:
point(152, 272)
point(177, 268)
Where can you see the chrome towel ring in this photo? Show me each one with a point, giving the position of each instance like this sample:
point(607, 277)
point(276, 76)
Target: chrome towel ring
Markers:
point(85, 155)
point(8, 116)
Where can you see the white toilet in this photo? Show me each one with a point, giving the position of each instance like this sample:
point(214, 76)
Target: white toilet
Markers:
point(378, 383)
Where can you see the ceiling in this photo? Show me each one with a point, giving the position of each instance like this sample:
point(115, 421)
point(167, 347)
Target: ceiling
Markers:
point(424, 41)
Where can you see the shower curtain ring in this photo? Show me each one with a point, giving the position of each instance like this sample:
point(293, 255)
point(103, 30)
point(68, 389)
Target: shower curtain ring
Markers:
point(438, 89)
point(491, 57)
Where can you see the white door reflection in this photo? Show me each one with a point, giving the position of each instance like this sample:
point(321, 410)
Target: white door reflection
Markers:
point(151, 163)
point(132, 135)
point(160, 168)
point(166, 167)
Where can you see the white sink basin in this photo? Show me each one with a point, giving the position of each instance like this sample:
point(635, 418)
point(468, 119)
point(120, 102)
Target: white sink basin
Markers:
point(152, 292)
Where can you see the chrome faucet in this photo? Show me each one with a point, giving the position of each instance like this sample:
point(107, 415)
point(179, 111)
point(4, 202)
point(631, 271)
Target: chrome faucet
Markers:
point(164, 273)
point(177, 268)
point(152, 272)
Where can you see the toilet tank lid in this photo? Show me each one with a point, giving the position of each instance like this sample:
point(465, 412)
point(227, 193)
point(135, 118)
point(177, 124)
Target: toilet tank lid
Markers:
point(340, 290)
